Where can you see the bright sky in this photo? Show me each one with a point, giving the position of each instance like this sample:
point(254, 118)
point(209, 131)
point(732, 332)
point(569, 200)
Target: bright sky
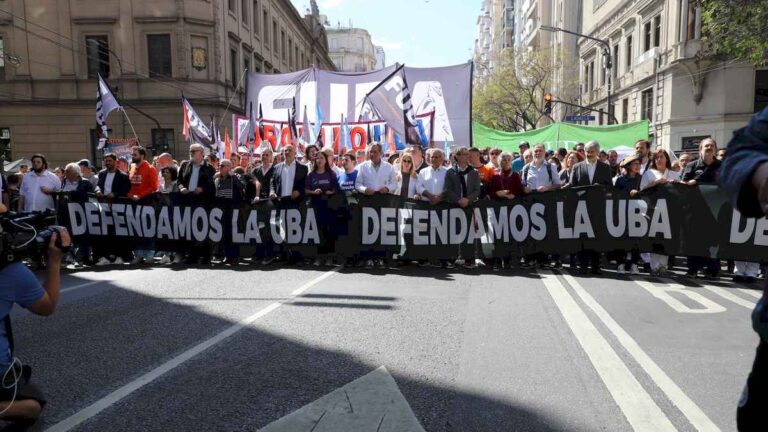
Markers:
point(419, 33)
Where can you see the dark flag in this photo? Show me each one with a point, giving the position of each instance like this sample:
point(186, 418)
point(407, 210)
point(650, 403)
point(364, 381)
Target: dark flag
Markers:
point(105, 103)
point(391, 101)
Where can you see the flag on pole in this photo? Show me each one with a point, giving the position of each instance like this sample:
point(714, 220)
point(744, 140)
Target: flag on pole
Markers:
point(292, 121)
point(218, 146)
point(227, 144)
point(279, 136)
point(105, 103)
point(345, 142)
point(306, 132)
point(194, 130)
point(391, 101)
point(318, 120)
point(245, 137)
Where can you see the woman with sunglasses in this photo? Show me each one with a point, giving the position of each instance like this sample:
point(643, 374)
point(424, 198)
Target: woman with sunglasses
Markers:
point(406, 176)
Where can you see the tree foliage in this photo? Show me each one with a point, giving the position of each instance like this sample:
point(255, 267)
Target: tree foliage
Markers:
point(512, 98)
point(732, 28)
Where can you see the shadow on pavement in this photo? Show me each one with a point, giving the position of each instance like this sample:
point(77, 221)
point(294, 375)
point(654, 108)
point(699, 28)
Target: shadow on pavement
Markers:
point(95, 345)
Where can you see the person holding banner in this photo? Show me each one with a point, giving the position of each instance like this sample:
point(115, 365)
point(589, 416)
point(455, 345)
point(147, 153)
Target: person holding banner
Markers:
point(744, 175)
point(288, 186)
point(196, 185)
point(703, 171)
point(349, 175)
point(587, 173)
point(320, 184)
point(375, 176)
point(263, 175)
point(659, 173)
point(462, 188)
point(144, 183)
point(406, 176)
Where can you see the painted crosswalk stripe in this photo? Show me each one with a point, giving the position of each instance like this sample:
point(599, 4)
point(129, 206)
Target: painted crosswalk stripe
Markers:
point(752, 293)
point(638, 407)
point(674, 393)
point(731, 297)
point(663, 293)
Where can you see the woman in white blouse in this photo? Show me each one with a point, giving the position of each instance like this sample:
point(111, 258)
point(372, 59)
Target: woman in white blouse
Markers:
point(659, 173)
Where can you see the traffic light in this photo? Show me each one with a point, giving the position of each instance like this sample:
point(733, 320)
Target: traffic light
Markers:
point(548, 103)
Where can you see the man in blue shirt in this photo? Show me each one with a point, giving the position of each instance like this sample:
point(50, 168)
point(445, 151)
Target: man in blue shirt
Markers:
point(519, 163)
point(744, 175)
point(22, 405)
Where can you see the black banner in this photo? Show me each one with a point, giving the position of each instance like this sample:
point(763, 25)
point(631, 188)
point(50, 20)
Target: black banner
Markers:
point(670, 219)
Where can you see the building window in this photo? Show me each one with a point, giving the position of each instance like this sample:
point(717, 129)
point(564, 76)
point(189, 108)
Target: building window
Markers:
point(265, 27)
point(603, 70)
point(97, 52)
point(290, 53)
point(163, 140)
point(276, 44)
point(693, 21)
point(296, 57)
point(615, 62)
point(256, 26)
point(244, 11)
point(246, 63)
point(334, 44)
point(283, 53)
point(2, 60)
point(360, 44)
point(339, 63)
point(629, 53)
point(625, 110)
point(646, 105)
point(159, 53)
point(591, 75)
point(233, 66)
point(657, 31)
point(647, 36)
point(232, 7)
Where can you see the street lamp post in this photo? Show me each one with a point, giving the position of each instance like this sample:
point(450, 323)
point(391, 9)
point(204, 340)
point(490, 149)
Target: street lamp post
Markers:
point(606, 53)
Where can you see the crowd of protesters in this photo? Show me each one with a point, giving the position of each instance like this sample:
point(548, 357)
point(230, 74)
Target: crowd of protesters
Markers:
point(429, 175)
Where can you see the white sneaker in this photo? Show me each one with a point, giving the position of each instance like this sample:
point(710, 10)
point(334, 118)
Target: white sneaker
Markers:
point(369, 264)
point(634, 270)
point(479, 262)
point(317, 262)
point(165, 260)
point(620, 269)
point(103, 261)
point(460, 262)
point(119, 261)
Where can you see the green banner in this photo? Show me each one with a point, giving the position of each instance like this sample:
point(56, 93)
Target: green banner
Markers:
point(556, 135)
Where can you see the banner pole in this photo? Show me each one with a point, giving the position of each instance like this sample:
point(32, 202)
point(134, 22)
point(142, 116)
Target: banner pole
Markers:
point(125, 114)
point(231, 98)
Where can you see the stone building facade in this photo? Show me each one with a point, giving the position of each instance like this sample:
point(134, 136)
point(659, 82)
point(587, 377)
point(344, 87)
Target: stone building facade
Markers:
point(150, 53)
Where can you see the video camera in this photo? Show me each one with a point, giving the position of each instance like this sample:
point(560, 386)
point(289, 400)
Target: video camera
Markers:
point(24, 235)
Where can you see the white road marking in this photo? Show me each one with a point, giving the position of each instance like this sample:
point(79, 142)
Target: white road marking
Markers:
point(663, 293)
point(638, 407)
point(100, 405)
point(82, 285)
point(731, 297)
point(753, 293)
point(675, 394)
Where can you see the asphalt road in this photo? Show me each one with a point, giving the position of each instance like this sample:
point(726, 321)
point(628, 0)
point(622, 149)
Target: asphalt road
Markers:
point(221, 349)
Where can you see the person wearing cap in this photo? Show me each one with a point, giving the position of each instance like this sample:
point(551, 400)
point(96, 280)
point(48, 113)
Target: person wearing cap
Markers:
point(630, 183)
point(87, 169)
point(519, 163)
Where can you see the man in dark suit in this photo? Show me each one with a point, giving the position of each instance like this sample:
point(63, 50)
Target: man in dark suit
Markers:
point(288, 178)
point(196, 185)
point(288, 185)
point(196, 177)
point(591, 171)
point(112, 184)
point(587, 173)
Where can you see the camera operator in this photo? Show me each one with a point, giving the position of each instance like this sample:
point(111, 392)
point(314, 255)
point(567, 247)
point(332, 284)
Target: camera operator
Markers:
point(22, 403)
